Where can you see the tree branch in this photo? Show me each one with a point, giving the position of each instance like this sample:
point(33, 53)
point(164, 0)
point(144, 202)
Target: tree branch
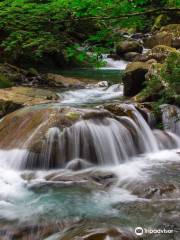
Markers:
point(148, 12)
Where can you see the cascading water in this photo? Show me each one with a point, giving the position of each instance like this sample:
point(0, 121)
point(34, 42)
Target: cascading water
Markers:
point(114, 64)
point(101, 141)
point(92, 95)
point(122, 163)
point(171, 118)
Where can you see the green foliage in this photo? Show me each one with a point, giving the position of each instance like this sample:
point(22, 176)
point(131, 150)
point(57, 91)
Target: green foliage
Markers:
point(4, 82)
point(165, 80)
point(35, 28)
point(171, 73)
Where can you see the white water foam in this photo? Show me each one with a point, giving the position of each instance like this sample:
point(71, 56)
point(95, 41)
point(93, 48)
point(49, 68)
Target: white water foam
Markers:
point(114, 64)
point(91, 95)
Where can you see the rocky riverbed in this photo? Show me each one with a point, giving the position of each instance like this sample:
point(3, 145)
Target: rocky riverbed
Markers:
point(87, 159)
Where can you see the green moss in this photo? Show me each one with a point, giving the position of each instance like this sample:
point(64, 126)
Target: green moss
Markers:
point(163, 81)
point(73, 116)
point(4, 81)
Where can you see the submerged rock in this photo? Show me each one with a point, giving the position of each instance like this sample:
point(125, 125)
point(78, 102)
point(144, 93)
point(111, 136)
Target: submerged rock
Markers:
point(67, 230)
point(78, 164)
point(87, 180)
point(90, 231)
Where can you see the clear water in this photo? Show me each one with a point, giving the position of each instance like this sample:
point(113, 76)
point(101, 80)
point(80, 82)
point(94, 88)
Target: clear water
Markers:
point(104, 74)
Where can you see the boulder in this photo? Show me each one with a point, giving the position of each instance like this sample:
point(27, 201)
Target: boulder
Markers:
point(26, 96)
point(130, 56)
point(8, 107)
point(48, 135)
point(56, 80)
point(159, 53)
point(168, 35)
point(128, 46)
point(93, 231)
point(18, 76)
point(11, 75)
point(78, 164)
point(134, 77)
point(154, 94)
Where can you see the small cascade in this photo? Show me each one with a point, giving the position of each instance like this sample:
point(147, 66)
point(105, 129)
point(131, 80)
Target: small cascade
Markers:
point(145, 133)
point(92, 95)
point(98, 139)
point(166, 140)
point(171, 118)
point(114, 64)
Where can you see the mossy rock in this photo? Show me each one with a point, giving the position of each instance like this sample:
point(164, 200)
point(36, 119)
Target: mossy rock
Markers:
point(4, 81)
point(128, 46)
point(73, 116)
point(56, 80)
point(168, 35)
point(159, 53)
point(159, 22)
point(134, 77)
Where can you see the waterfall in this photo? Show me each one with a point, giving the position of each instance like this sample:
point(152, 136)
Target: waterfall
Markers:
point(102, 140)
point(114, 64)
point(166, 139)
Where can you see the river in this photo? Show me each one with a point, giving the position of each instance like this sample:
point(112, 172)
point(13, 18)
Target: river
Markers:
point(98, 178)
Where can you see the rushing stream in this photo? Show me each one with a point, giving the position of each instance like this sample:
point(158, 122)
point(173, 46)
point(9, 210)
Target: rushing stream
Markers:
point(101, 174)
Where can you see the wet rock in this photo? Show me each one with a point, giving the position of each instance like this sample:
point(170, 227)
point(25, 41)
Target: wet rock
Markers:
point(153, 95)
point(114, 56)
point(30, 232)
point(119, 109)
point(78, 164)
point(8, 107)
point(49, 134)
point(159, 191)
point(134, 77)
point(159, 53)
point(88, 180)
point(128, 46)
point(56, 80)
point(171, 118)
point(130, 56)
point(16, 97)
point(15, 76)
point(96, 233)
point(122, 109)
point(102, 84)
